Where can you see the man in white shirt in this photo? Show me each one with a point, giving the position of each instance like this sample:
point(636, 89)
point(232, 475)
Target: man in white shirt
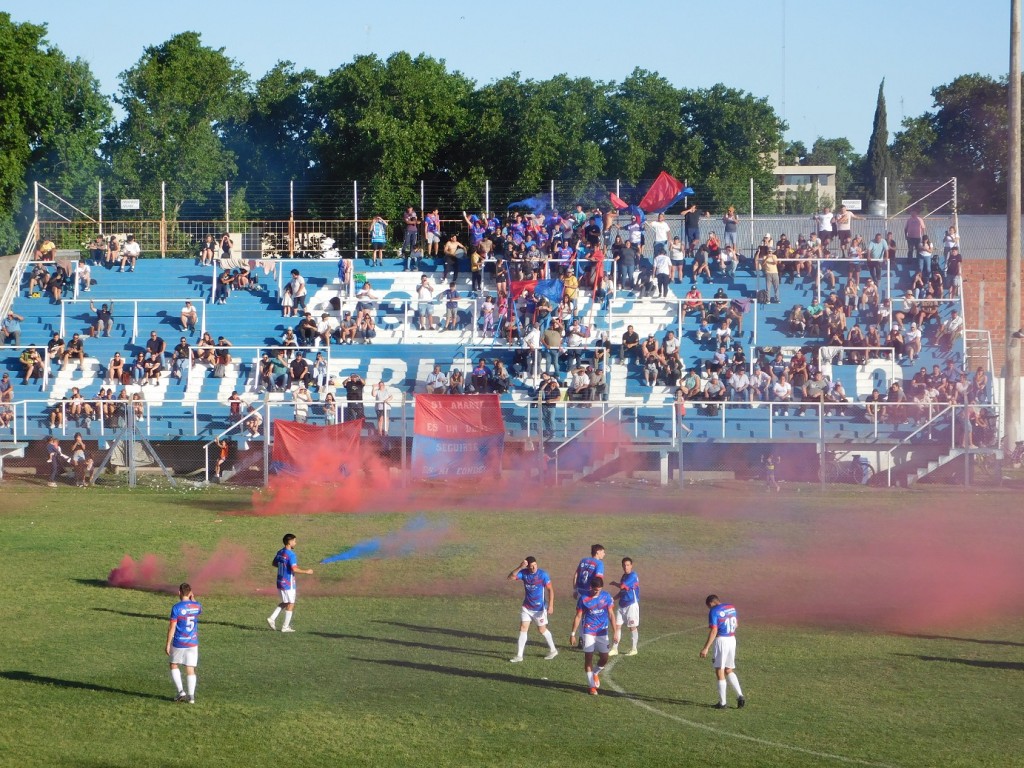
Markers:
point(739, 383)
point(130, 252)
point(912, 342)
point(425, 310)
point(189, 318)
point(661, 231)
point(662, 272)
point(824, 221)
point(84, 274)
point(437, 382)
point(323, 330)
point(950, 330)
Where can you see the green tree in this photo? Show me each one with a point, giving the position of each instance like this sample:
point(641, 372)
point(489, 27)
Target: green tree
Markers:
point(792, 153)
point(177, 100)
point(52, 117)
point(879, 164)
point(270, 139)
point(390, 123)
point(734, 135)
point(838, 152)
point(963, 136)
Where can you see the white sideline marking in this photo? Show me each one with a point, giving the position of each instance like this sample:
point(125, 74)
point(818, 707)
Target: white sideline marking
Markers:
point(606, 678)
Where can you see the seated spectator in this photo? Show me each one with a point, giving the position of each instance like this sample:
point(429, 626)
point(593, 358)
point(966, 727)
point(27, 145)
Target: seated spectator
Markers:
point(234, 406)
point(456, 383)
point(320, 373)
point(367, 301)
point(306, 329)
point(324, 331)
point(32, 365)
point(189, 318)
point(205, 349)
point(346, 330)
point(480, 378)
point(760, 385)
point(154, 366)
point(797, 320)
point(289, 342)
point(579, 384)
point(782, 394)
point(83, 274)
point(836, 394)
point(814, 392)
point(714, 393)
point(104, 319)
point(895, 340)
point(598, 386)
point(57, 413)
point(366, 328)
point(869, 298)
point(300, 371)
point(951, 331)
point(739, 384)
point(253, 424)
point(912, 343)
point(894, 404)
point(855, 343)
point(75, 351)
point(115, 370)
point(57, 282)
point(138, 369)
point(501, 381)
point(10, 328)
point(6, 389)
point(225, 283)
point(693, 303)
point(630, 348)
point(130, 253)
point(38, 281)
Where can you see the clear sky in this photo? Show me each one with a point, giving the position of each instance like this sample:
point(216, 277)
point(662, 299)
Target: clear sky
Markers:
point(819, 64)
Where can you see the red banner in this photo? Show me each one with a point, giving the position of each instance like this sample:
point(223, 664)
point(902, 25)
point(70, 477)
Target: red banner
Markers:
point(315, 451)
point(458, 416)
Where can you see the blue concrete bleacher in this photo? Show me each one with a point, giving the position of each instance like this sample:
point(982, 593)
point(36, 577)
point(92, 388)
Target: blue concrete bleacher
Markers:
point(402, 356)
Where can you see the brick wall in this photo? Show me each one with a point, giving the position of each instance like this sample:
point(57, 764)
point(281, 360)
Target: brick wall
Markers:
point(985, 302)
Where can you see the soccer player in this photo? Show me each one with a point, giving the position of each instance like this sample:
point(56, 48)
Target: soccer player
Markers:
point(538, 601)
point(628, 612)
point(588, 568)
point(183, 642)
point(722, 622)
point(596, 612)
point(287, 564)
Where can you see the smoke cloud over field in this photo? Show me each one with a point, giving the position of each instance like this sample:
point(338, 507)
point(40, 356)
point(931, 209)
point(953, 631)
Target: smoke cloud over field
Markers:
point(223, 570)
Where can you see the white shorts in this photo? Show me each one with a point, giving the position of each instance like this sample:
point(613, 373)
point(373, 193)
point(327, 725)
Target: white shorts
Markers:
point(287, 595)
point(628, 616)
point(595, 643)
point(725, 653)
point(433, 237)
point(187, 656)
point(540, 618)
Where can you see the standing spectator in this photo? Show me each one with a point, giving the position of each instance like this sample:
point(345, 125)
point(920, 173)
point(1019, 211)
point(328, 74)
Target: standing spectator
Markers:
point(914, 231)
point(130, 254)
point(662, 271)
point(81, 462)
point(844, 221)
point(770, 266)
point(412, 226)
point(378, 239)
point(382, 405)
point(876, 254)
point(451, 306)
point(10, 328)
point(453, 251)
point(548, 394)
point(298, 287)
point(954, 263)
point(56, 458)
point(722, 634)
point(551, 341)
point(353, 386)
point(691, 229)
point(183, 643)
point(432, 231)
point(425, 308)
point(825, 222)
point(730, 222)
point(661, 231)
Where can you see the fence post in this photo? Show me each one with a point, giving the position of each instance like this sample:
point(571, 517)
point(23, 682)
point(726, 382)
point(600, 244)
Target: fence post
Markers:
point(163, 219)
point(35, 187)
point(99, 204)
point(291, 217)
point(355, 220)
point(227, 207)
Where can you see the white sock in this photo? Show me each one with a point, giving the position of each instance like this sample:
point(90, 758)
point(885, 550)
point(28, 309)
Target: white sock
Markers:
point(590, 679)
point(618, 636)
point(635, 635)
point(287, 619)
point(276, 613)
point(191, 680)
point(597, 670)
point(735, 683)
point(176, 677)
point(551, 639)
point(522, 644)
point(721, 691)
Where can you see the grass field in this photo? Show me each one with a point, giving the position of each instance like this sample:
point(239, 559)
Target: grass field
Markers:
point(876, 629)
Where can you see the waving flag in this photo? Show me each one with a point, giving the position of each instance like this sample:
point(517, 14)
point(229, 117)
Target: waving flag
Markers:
point(618, 203)
point(663, 192)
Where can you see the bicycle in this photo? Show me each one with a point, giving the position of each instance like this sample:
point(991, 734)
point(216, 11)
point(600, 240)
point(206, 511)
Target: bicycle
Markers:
point(854, 471)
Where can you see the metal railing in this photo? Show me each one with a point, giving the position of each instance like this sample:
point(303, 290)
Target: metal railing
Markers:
point(28, 249)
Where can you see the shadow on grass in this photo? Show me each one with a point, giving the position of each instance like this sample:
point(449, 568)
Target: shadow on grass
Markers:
point(101, 583)
point(502, 677)
point(979, 640)
point(158, 617)
point(446, 631)
point(28, 677)
point(407, 644)
point(982, 663)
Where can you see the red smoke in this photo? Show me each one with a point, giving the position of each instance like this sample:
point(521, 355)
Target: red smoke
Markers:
point(224, 570)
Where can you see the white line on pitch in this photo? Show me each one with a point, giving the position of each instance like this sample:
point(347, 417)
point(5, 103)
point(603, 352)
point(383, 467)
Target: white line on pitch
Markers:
point(721, 732)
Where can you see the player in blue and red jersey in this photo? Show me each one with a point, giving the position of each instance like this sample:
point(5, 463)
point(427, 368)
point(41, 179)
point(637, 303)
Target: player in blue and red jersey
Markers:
point(722, 633)
point(538, 602)
point(596, 612)
point(287, 564)
point(628, 612)
point(588, 568)
point(183, 642)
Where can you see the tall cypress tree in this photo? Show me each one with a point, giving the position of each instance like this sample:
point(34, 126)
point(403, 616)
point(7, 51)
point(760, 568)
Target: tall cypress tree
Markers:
point(879, 161)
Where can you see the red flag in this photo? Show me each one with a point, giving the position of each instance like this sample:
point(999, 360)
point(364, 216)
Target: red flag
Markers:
point(618, 202)
point(663, 192)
